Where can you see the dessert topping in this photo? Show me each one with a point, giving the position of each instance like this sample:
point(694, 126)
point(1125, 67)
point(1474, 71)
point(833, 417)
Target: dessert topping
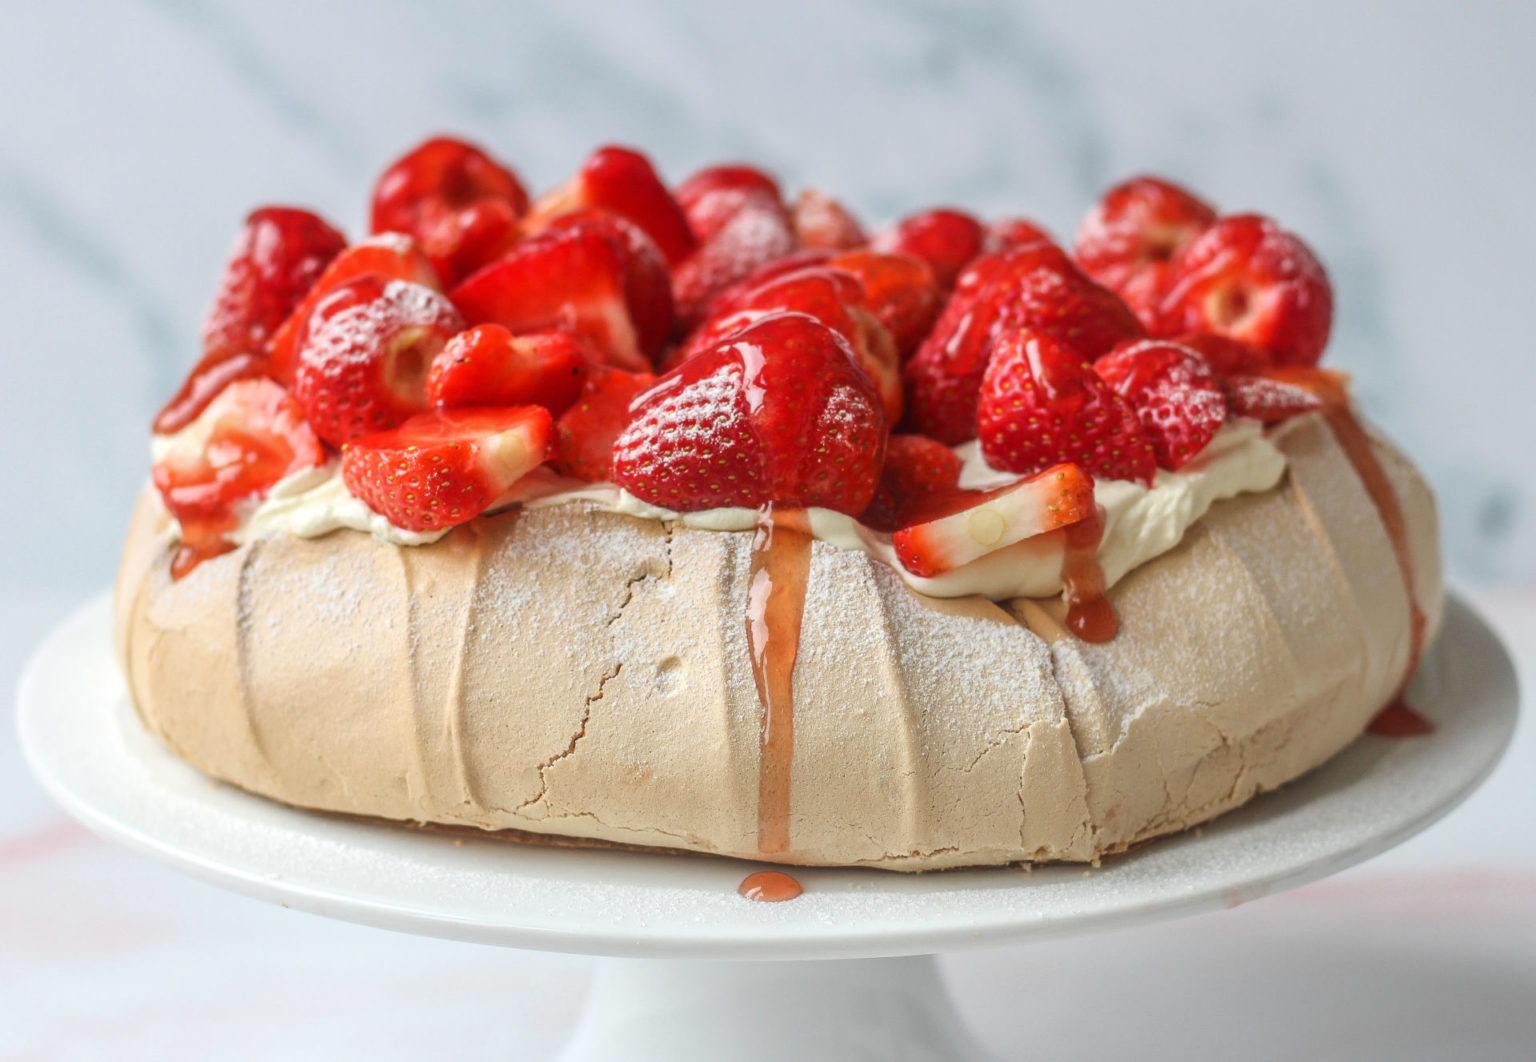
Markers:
point(489, 366)
point(1175, 396)
point(586, 432)
point(899, 290)
point(917, 469)
point(821, 223)
point(622, 181)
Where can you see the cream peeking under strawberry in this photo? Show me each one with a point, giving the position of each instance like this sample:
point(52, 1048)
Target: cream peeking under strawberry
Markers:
point(714, 345)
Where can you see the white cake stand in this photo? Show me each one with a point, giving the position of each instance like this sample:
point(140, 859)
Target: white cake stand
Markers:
point(688, 978)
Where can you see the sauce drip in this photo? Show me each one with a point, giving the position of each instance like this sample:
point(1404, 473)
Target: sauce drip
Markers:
point(1399, 720)
point(1090, 616)
point(1357, 447)
point(769, 886)
point(781, 565)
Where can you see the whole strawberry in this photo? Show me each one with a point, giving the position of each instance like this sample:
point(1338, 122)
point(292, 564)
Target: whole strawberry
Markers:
point(1174, 393)
point(1248, 279)
point(778, 413)
point(363, 360)
point(1042, 404)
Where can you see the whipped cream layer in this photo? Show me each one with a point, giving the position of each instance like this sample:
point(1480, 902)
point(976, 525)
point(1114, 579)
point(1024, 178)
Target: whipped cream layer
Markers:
point(1140, 523)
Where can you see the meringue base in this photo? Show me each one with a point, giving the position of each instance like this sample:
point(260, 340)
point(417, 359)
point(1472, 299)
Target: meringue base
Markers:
point(583, 675)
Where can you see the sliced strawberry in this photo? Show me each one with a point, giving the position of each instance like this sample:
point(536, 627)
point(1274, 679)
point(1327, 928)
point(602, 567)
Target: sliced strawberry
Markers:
point(1005, 233)
point(731, 295)
point(1036, 286)
point(1268, 401)
point(586, 431)
point(388, 255)
point(899, 290)
point(275, 260)
point(647, 281)
point(757, 233)
point(822, 223)
point(444, 468)
point(1042, 404)
point(459, 202)
point(570, 280)
point(712, 196)
point(778, 413)
point(1127, 240)
point(623, 182)
point(208, 377)
point(1173, 392)
point(363, 359)
point(1248, 279)
point(489, 366)
point(247, 438)
point(917, 470)
point(1227, 357)
point(990, 521)
point(946, 239)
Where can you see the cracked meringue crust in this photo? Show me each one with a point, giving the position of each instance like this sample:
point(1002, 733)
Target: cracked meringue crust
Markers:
point(571, 673)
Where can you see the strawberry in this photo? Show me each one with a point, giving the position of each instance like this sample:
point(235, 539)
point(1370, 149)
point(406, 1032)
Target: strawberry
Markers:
point(442, 469)
point(776, 414)
point(1014, 232)
point(572, 280)
point(647, 282)
point(758, 232)
point(946, 239)
point(1173, 392)
point(833, 298)
point(212, 373)
point(980, 523)
point(1035, 285)
point(1042, 404)
point(363, 359)
point(1127, 240)
point(1266, 400)
point(731, 294)
point(899, 290)
point(1227, 357)
point(622, 182)
point(917, 470)
point(489, 366)
point(1248, 279)
point(459, 202)
point(822, 223)
point(586, 431)
point(245, 439)
point(276, 258)
point(712, 196)
point(389, 255)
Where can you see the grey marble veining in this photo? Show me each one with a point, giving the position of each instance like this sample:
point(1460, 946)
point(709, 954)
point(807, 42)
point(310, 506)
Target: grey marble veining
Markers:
point(1397, 138)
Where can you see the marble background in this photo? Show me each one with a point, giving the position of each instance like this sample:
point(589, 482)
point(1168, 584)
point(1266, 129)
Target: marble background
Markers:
point(134, 135)
point(1397, 138)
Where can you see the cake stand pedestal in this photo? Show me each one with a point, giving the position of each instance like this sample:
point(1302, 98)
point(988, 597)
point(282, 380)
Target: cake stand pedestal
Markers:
point(698, 972)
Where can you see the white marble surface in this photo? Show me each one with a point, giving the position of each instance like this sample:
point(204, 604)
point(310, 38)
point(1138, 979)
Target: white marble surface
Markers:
point(134, 135)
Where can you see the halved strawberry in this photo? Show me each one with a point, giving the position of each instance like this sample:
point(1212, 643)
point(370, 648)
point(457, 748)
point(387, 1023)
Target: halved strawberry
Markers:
point(899, 290)
point(276, 259)
point(1266, 400)
point(758, 232)
point(647, 281)
point(822, 223)
point(732, 294)
point(1036, 286)
point(586, 431)
point(389, 255)
point(1173, 392)
point(1248, 279)
point(459, 202)
point(917, 471)
point(489, 366)
point(1126, 241)
point(621, 181)
point(570, 280)
point(444, 468)
point(1015, 232)
point(1042, 404)
point(946, 239)
point(363, 359)
point(712, 196)
point(983, 522)
point(1227, 357)
point(247, 438)
point(778, 413)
